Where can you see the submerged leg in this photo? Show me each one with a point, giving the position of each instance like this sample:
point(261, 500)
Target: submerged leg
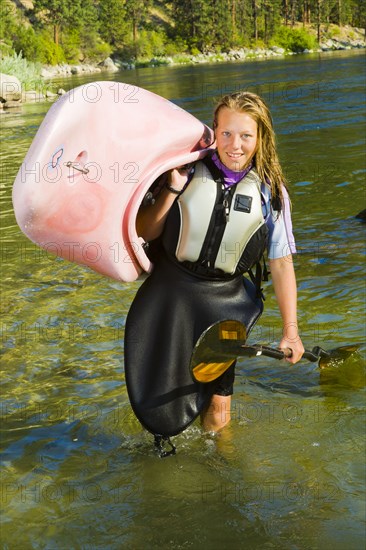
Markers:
point(217, 414)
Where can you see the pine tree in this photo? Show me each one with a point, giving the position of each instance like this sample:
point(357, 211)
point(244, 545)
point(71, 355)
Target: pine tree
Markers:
point(243, 29)
point(136, 11)
point(223, 35)
point(58, 14)
point(272, 17)
point(113, 25)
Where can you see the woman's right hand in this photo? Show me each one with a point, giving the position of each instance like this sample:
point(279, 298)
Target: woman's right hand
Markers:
point(178, 177)
point(151, 218)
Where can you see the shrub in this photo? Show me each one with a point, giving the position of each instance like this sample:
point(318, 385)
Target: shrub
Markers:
point(38, 47)
point(49, 52)
point(93, 47)
point(334, 32)
point(182, 59)
point(150, 44)
point(26, 41)
point(5, 49)
point(71, 45)
point(294, 40)
point(28, 73)
point(97, 52)
point(195, 51)
point(176, 47)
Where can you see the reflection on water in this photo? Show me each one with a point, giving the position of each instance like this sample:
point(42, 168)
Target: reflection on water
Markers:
point(78, 470)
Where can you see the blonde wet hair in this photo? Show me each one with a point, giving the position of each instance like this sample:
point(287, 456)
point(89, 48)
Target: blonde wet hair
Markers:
point(266, 160)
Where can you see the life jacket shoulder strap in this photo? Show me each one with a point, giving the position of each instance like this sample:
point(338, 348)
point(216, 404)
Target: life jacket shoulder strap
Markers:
point(214, 170)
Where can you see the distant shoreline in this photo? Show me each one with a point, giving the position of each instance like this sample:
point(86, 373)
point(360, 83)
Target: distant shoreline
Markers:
point(240, 55)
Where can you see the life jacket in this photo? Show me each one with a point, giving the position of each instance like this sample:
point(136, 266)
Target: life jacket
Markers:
point(214, 231)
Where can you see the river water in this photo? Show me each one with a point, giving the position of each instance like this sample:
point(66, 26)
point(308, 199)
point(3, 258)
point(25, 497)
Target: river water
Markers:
point(78, 471)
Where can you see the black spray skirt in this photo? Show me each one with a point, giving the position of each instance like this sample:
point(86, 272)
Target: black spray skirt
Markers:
point(169, 313)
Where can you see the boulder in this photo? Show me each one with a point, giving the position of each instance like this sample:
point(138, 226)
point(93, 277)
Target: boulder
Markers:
point(10, 88)
point(108, 65)
point(47, 73)
point(76, 69)
point(12, 104)
point(277, 50)
point(50, 95)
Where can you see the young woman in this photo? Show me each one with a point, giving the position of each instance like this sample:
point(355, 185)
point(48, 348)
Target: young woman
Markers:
point(207, 226)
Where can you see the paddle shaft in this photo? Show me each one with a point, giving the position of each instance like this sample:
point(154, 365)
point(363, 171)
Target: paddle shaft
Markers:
point(280, 354)
point(239, 349)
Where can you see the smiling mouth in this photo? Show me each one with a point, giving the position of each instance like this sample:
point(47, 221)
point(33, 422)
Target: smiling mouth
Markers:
point(234, 155)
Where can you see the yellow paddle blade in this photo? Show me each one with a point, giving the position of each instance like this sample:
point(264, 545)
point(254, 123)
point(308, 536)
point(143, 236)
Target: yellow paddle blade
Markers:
point(231, 330)
point(207, 372)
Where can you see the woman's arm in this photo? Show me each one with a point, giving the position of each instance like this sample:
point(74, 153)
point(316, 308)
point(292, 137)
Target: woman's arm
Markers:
point(151, 218)
point(284, 282)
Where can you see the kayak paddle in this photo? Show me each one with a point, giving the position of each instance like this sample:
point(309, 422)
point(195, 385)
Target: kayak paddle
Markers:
point(219, 346)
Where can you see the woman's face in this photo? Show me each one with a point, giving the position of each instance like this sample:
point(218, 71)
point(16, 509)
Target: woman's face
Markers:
point(236, 138)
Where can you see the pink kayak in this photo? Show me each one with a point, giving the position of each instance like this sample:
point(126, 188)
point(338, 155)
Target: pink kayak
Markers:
point(95, 155)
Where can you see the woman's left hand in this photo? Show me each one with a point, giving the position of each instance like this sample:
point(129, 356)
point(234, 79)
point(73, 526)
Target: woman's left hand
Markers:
point(296, 347)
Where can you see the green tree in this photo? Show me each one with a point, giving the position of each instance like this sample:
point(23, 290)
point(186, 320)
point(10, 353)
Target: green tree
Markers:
point(272, 18)
point(256, 8)
point(91, 44)
point(136, 11)
point(113, 25)
point(58, 14)
point(8, 27)
point(201, 23)
point(358, 18)
point(344, 11)
point(220, 20)
point(242, 21)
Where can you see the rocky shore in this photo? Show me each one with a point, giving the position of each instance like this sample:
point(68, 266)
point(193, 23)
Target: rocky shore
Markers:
point(242, 54)
point(12, 95)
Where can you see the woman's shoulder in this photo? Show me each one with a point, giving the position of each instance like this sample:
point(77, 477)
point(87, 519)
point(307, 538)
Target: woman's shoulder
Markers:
point(266, 191)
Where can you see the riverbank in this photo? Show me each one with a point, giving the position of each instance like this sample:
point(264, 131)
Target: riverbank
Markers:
point(13, 92)
point(242, 54)
point(332, 38)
